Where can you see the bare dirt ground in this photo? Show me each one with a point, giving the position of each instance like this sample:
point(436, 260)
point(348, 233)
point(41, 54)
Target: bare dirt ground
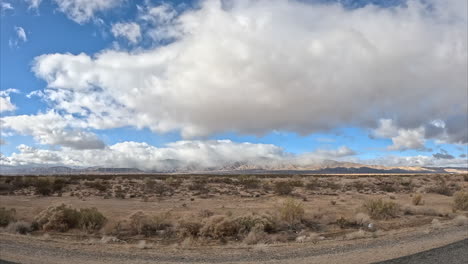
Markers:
point(224, 219)
point(21, 249)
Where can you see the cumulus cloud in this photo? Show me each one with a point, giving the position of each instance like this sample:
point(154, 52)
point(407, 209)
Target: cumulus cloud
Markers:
point(81, 11)
point(403, 139)
point(53, 129)
point(443, 154)
point(130, 31)
point(5, 101)
point(180, 155)
point(231, 68)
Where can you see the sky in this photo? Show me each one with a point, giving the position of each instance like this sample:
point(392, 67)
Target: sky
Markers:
point(158, 85)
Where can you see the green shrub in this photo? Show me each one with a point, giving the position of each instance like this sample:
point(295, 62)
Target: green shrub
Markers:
point(91, 219)
point(61, 218)
point(249, 182)
point(43, 186)
point(142, 224)
point(283, 188)
point(58, 218)
point(7, 216)
point(460, 201)
point(380, 209)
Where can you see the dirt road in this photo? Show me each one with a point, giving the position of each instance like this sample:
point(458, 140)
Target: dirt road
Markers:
point(26, 249)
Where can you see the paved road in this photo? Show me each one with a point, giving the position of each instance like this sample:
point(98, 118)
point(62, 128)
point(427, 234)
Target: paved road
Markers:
point(455, 253)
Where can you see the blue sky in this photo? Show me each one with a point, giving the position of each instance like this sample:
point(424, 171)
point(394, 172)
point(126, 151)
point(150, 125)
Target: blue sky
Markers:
point(301, 124)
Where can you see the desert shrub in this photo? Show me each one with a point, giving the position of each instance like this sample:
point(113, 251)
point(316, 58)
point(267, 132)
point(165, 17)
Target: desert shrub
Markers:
point(58, 218)
point(6, 188)
point(331, 185)
point(205, 213)
point(283, 188)
point(441, 187)
point(313, 184)
point(291, 211)
point(198, 186)
point(62, 218)
point(417, 199)
point(189, 228)
point(98, 185)
point(91, 219)
point(219, 226)
point(20, 227)
point(222, 227)
point(247, 223)
point(254, 237)
point(163, 189)
point(58, 184)
point(359, 185)
point(142, 224)
point(465, 177)
point(173, 182)
point(347, 223)
point(389, 187)
point(43, 187)
point(380, 209)
point(249, 182)
point(119, 194)
point(460, 201)
point(296, 182)
point(7, 216)
point(420, 210)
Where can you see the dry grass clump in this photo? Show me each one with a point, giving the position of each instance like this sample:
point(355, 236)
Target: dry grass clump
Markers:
point(291, 211)
point(461, 220)
point(20, 227)
point(380, 209)
point(417, 199)
point(283, 188)
point(7, 216)
point(460, 201)
point(62, 218)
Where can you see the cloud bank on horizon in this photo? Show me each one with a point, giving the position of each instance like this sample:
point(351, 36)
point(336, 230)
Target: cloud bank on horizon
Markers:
point(250, 67)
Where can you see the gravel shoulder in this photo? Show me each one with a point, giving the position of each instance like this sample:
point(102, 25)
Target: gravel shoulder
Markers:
point(29, 249)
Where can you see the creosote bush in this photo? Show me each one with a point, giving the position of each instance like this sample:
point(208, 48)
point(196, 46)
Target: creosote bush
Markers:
point(7, 216)
point(380, 209)
point(460, 201)
point(143, 224)
point(283, 188)
point(62, 218)
point(91, 219)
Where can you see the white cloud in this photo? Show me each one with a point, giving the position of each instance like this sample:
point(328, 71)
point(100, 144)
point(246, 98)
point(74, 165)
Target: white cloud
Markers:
point(4, 6)
point(418, 161)
point(5, 104)
point(403, 139)
point(33, 4)
point(234, 69)
point(5, 101)
point(21, 34)
point(81, 11)
point(181, 155)
point(53, 129)
point(131, 31)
